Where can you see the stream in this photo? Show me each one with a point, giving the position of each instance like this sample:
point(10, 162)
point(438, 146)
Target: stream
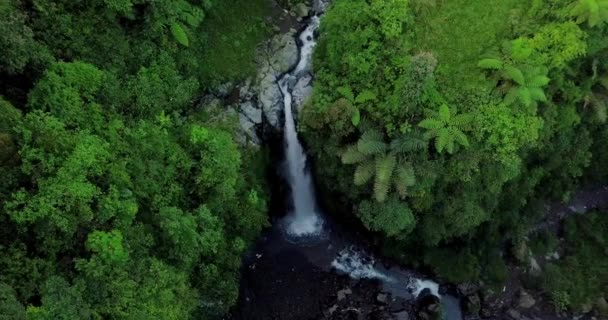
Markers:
point(306, 266)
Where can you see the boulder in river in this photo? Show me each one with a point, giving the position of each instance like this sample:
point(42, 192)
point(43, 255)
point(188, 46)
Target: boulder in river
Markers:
point(382, 298)
point(302, 10)
point(525, 301)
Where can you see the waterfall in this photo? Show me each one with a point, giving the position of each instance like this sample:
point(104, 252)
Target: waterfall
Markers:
point(304, 220)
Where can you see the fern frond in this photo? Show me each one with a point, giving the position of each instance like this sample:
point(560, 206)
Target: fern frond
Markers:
point(511, 96)
point(364, 172)
point(442, 140)
point(384, 171)
point(524, 96)
point(431, 124)
point(462, 121)
point(459, 137)
point(371, 142)
point(515, 75)
point(450, 146)
point(444, 113)
point(352, 155)
point(346, 92)
point(404, 178)
point(364, 96)
point(408, 144)
point(430, 134)
point(495, 64)
point(539, 81)
point(537, 94)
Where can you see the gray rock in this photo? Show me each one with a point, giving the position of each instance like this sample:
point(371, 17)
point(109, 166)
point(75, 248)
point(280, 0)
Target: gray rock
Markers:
point(403, 315)
point(343, 293)
point(302, 10)
point(223, 89)
point(514, 314)
point(525, 301)
point(534, 266)
point(251, 112)
point(473, 304)
point(245, 91)
point(467, 288)
point(302, 91)
point(382, 298)
point(332, 309)
point(282, 53)
point(398, 304)
point(270, 100)
point(248, 128)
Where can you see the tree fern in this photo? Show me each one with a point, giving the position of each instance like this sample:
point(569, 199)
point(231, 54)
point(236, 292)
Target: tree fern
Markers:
point(383, 161)
point(446, 128)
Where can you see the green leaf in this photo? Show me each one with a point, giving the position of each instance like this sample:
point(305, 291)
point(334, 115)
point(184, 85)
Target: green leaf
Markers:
point(525, 96)
point(355, 119)
point(346, 92)
point(537, 94)
point(179, 34)
point(516, 75)
point(431, 124)
point(495, 64)
point(364, 96)
point(442, 140)
point(459, 137)
point(539, 81)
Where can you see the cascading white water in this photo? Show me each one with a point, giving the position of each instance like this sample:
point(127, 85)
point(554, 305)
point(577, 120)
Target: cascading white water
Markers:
point(304, 220)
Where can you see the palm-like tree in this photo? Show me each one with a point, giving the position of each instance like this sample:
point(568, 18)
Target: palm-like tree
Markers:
point(384, 162)
point(526, 85)
point(446, 127)
point(595, 12)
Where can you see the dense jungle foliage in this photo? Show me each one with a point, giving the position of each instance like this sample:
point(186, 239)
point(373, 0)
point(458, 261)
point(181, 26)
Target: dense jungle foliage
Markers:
point(442, 123)
point(119, 198)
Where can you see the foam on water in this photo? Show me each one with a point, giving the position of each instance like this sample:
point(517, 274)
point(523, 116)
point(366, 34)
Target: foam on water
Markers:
point(418, 285)
point(358, 265)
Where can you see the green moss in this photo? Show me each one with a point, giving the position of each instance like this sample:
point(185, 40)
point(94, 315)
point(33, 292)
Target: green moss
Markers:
point(233, 30)
point(458, 32)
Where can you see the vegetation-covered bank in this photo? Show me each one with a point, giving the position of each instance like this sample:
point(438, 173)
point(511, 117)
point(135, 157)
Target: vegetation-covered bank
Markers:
point(120, 199)
point(444, 123)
